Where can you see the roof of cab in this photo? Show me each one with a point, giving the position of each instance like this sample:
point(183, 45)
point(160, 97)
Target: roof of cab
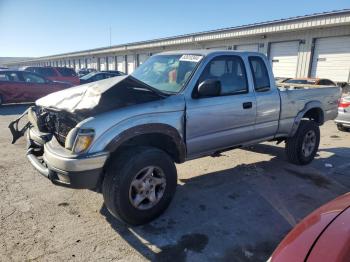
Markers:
point(205, 52)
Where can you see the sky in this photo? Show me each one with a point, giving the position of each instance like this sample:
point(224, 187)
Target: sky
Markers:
point(32, 28)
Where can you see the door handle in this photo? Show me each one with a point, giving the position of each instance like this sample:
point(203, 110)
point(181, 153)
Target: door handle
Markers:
point(247, 105)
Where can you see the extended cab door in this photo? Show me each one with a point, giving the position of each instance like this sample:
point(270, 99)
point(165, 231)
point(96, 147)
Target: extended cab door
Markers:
point(227, 120)
point(267, 99)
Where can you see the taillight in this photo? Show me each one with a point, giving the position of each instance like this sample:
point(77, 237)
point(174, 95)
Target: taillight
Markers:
point(343, 103)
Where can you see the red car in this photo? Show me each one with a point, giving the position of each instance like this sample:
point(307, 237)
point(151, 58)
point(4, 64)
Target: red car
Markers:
point(22, 86)
point(63, 74)
point(324, 235)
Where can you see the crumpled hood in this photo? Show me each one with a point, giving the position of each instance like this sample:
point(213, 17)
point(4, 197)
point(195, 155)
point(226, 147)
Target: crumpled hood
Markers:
point(101, 96)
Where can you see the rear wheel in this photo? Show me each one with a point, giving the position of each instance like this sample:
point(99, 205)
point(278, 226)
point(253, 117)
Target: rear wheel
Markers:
point(1, 100)
point(302, 147)
point(139, 184)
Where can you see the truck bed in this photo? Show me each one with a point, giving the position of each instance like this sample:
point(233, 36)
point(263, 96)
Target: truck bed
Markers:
point(295, 98)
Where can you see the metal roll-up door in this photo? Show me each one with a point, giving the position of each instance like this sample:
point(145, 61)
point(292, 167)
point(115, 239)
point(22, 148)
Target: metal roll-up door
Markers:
point(94, 63)
point(248, 47)
point(121, 63)
point(89, 62)
point(284, 58)
point(331, 58)
point(103, 65)
point(111, 63)
point(131, 63)
point(142, 58)
point(76, 64)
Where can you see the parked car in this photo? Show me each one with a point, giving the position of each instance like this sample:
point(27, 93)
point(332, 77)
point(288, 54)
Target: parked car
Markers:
point(309, 81)
point(96, 76)
point(343, 119)
point(122, 135)
point(63, 74)
point(120, 73)
point(85, 71)
point(22, 86)
point(324, 235)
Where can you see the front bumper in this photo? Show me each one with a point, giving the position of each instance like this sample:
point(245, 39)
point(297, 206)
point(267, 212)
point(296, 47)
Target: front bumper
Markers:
point(62, 167)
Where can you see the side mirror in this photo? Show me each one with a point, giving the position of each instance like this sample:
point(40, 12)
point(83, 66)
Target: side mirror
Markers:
point(209, 88)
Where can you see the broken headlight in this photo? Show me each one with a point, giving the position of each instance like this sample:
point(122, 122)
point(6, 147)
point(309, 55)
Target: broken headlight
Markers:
point(83, 140)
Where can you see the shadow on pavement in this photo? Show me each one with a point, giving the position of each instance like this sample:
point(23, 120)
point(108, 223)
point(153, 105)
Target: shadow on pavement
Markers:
point(237, 214)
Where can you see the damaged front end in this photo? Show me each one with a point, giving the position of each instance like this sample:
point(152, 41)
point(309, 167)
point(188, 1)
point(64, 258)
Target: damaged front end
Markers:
point(57, 144)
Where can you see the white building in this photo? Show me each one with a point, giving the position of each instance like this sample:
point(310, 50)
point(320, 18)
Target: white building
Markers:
point(316, 45)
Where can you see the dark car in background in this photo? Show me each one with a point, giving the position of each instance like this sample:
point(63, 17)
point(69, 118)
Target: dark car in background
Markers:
point(114, 72)
point(22, 86)
point(85, 71)
point(96, 76)
point(63, 74)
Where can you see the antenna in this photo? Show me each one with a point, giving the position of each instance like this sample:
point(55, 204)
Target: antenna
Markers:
point(110, 36)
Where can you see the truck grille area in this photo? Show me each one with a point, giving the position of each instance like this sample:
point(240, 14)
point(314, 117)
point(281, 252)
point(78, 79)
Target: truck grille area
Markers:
point(57, 123)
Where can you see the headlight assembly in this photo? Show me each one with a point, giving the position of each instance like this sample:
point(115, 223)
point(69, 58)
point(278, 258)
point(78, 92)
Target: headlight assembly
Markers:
point(83, 140)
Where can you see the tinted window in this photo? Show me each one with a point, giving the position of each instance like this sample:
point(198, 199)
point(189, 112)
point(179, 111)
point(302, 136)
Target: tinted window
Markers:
point(99, 77)
point(260, 74)
point(64, 71)
point(46, 71)
point(4, 76)
point(230, 71)
point(9, 76)
point(326, 82)
point(31, 78)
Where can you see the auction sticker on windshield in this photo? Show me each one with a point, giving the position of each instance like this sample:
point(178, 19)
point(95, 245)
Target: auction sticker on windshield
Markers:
point(191, 58)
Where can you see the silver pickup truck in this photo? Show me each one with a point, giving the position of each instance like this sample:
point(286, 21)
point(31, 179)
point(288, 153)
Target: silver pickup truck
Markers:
point(121, 136)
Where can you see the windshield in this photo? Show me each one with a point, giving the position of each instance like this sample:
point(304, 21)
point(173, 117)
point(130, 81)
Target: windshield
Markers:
point(167, 73)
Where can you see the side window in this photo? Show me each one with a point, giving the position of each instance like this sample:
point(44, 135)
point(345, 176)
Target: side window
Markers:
point(14, 77)
point(31, 78)
point(260, 74)
point(4, 76)
point(99, 77)
point(230, 71)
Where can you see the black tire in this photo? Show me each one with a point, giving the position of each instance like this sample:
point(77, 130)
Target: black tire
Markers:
point(342, 128)
point(1, 100)
point(294, 150)
point(121, 171)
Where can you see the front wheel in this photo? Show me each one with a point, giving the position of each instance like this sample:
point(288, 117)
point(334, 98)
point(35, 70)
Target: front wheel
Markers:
point(139, 184)
point(302, 147)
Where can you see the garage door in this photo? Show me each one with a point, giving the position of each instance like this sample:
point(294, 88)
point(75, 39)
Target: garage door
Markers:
point(103, 65)
point(332, 58)
point(249, 47)
point(121, 63)
point(142, 58)
point(284, 58)
point(131, 63)
point(111, 63)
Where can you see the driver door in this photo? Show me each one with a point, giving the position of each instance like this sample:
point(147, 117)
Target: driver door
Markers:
point(227, 120)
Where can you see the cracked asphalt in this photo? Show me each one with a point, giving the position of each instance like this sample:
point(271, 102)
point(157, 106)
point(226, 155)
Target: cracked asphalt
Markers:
point(234, 207)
